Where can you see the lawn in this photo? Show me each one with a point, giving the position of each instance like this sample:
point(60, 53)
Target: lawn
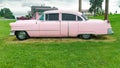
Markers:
point(101, 52)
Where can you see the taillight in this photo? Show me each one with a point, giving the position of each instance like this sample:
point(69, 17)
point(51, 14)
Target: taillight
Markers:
point(109, 31)
point(108, 21)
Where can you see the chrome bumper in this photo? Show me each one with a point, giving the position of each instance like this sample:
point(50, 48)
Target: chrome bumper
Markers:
point(110, 31)
point(12, 33)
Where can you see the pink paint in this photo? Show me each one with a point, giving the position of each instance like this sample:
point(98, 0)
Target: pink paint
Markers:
point(60, 28)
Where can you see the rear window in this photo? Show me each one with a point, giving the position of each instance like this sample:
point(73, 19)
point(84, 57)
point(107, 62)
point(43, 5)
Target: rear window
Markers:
point(79, 18)
point(85, 17)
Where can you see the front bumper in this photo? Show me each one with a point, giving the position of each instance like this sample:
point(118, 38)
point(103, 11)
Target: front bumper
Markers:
point(12, 33)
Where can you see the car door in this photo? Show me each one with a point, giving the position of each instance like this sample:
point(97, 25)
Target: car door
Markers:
point(51, 26)
point(69, 25)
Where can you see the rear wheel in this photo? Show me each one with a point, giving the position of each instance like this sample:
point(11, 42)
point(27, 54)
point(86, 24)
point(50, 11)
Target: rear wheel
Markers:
point(85, 36)
point(21, 35)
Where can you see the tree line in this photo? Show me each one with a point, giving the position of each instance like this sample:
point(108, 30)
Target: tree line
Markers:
point(96, 7)
point(6, 13)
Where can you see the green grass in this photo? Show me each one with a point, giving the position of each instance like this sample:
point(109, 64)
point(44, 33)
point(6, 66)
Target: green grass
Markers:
point(100, 52)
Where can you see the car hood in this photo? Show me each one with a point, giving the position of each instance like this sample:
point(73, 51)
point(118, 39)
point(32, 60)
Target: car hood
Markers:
point(22, 22)
point(25, 21)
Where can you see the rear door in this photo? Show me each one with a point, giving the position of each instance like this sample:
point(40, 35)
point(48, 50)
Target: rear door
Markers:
point(69, 25)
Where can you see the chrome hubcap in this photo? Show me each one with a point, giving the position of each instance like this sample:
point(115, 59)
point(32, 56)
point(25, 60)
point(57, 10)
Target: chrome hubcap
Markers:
point(22, 35)
point(86, 36)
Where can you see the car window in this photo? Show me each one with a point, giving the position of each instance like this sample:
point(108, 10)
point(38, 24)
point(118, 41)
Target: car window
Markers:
point(79, 18)
point(42, 17)
point(68, 17)
point(85, 17)
point(52, 17)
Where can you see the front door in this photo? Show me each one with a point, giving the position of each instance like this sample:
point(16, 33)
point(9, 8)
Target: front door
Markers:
point(51, 26)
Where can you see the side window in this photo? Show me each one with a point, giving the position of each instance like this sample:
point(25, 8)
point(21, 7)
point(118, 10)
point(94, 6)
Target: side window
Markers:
point(79, 18)
point(52, 17)
point(42, 17)
point(68, 17)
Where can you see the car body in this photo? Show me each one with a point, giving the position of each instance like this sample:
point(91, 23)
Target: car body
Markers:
point(57, 23)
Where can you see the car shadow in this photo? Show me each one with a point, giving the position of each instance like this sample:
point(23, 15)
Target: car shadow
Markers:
point(62, 39)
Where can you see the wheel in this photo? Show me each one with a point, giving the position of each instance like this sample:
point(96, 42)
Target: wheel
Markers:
point(85, 36)
point(21, 35)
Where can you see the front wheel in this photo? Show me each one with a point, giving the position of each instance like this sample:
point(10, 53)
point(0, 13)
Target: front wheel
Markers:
point(21, 35)
point(85, 36)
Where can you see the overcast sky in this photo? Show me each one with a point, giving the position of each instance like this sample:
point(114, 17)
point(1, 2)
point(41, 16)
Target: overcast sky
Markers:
point(21, 7)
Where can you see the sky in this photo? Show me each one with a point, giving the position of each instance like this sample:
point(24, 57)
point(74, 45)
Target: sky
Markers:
point(21, 7)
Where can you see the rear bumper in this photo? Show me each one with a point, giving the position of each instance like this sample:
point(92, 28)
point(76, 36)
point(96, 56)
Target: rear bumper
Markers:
point(12, 33)
point(110, 31)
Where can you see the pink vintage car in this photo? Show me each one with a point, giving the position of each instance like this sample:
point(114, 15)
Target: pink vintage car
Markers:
point(58, 23)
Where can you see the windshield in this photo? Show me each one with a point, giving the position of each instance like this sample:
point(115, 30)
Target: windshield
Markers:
point(41, 17)
point(84, 16)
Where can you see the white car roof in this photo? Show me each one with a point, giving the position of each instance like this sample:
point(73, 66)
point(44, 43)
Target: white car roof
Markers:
point(63, 11)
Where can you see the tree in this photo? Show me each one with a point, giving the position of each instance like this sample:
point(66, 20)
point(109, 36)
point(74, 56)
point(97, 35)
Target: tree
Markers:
point(96, 6)
point(106, 9)
point(80, 5)
point(6, 13)
point(1, 13)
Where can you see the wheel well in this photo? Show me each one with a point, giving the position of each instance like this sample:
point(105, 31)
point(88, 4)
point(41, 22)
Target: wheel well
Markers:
point(79, 35)
point(82, 34)
point(23, 31)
